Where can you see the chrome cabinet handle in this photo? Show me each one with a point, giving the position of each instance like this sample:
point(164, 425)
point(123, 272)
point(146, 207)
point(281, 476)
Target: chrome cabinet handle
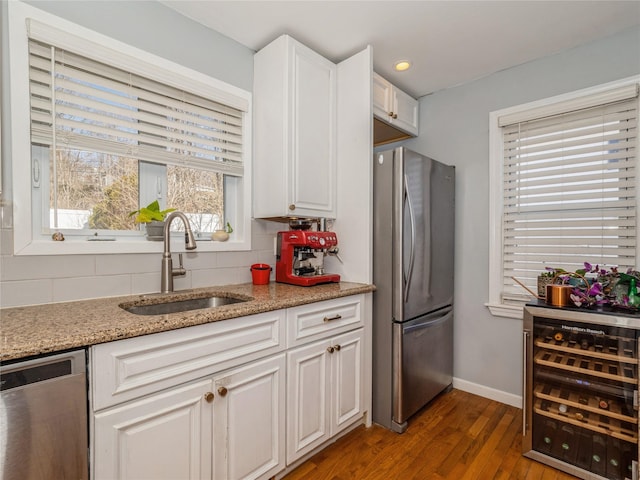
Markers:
point(335, 317)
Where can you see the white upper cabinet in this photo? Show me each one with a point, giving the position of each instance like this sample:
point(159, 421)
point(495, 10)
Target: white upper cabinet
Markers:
point(382, 97)
point(393, 106)
point(294, 101)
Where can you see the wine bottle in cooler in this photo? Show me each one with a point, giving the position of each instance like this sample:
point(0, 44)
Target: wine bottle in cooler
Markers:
point(547, 436)
point(599, 455)
point(569, 444)
point(614, 460)
point(583, 459)
point(559, 446)
point(629, 454)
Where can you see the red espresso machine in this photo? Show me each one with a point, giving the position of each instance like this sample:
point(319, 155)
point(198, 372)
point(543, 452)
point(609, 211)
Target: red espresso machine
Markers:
point(300, 257)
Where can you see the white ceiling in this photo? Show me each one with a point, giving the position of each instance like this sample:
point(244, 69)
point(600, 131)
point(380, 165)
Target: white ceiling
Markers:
point(449, 42)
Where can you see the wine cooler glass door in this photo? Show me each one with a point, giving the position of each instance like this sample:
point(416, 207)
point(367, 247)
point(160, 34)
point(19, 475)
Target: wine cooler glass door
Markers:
point(582, 397)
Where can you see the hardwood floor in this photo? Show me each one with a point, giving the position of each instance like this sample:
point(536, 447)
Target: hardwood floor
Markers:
point(459, 436)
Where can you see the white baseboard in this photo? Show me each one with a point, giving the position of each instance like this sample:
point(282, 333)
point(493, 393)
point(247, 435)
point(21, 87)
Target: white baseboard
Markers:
point(488, 392)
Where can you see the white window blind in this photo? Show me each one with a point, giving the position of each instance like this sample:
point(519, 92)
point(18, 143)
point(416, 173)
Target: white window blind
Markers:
point(79, 103)
point(569, 193)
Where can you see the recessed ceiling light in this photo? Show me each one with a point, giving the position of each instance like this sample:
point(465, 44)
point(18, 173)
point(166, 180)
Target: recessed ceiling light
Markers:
point(402, 65)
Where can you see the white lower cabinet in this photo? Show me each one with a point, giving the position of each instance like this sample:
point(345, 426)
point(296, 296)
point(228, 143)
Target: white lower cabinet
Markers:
point(231, 425)
point(162, 436)
point(324, 382)
point(249, 420)
point(217, 401)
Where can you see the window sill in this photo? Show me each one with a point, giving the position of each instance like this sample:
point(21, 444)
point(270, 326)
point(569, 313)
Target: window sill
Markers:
point(81, 246)
point(502, 310)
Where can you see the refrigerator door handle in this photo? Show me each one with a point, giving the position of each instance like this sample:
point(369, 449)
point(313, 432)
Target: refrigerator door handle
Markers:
point(409, 274)
point(427, 322)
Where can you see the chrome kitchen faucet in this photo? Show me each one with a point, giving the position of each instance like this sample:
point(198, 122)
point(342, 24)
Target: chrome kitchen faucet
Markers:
point(166, 282)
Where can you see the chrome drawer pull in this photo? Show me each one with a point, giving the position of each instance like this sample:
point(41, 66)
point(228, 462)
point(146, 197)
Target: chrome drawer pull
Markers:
point(335, 317)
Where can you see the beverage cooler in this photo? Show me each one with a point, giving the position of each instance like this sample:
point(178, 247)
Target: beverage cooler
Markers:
point(580, 398)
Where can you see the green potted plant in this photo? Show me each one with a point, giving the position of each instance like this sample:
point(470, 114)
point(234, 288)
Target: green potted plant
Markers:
point(153, 218)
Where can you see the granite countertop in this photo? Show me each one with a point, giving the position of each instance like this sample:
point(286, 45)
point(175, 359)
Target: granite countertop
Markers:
point(41, 329)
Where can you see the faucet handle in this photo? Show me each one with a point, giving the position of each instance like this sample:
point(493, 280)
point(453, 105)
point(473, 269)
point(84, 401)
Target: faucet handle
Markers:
point(180, 271)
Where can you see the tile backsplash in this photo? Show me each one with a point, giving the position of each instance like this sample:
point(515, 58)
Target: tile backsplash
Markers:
point(31, 280)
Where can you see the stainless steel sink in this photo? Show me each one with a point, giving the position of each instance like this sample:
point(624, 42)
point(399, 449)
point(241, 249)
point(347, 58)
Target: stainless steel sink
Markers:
point(181, 305)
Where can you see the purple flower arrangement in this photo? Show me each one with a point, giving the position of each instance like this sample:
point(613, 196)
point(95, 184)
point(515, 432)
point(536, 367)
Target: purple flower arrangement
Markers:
point(595, 286)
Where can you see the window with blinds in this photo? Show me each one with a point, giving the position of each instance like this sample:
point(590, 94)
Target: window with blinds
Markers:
point(116, 141)
point(79, 103)
point(569, 191)
point(101, 128)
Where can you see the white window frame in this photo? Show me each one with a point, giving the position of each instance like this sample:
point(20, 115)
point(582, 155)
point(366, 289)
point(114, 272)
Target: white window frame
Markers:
point(27, 241)
point(546, 107)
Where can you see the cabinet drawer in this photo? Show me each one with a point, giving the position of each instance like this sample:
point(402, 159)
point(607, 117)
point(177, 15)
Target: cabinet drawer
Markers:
point(130, 368)
point(317, 320)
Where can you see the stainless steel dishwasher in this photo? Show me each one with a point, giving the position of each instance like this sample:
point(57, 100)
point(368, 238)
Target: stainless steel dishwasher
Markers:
point(43, 418)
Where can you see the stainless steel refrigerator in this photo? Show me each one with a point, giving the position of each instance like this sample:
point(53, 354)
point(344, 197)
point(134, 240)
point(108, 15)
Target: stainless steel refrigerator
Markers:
point(413, 263)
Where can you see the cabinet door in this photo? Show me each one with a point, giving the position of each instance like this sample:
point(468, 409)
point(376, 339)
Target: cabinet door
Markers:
point(394, 106)
point(294, 107)
point(249, 421)
point(313, 158)
point(163, 436)
point(308, 409)
point(325, 385)
point(405, 112)
point(347, 357)
point(382, 97)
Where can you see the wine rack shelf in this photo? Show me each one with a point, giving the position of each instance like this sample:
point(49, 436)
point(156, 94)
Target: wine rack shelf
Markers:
point(606, 369)
point(581, 394)
point(596, 423)
point(600, 352)
point(582, 405)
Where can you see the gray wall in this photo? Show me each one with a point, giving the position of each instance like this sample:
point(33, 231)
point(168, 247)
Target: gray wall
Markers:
point(43, 279)
point(162, 32)
point(454, 128)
